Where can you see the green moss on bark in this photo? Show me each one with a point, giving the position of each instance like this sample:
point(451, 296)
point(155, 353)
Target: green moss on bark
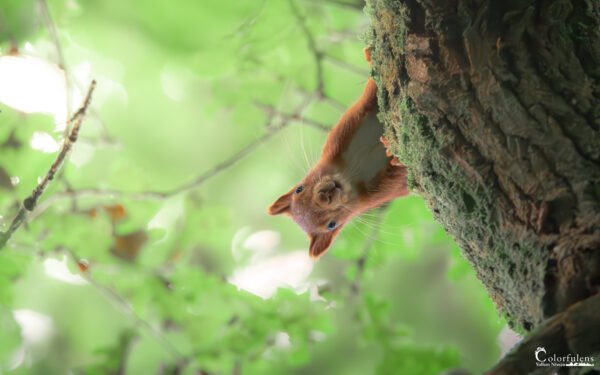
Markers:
point(498, 139)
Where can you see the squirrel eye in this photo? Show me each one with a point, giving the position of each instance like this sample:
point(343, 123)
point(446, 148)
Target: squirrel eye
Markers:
point(332, 224)
point(299, 189)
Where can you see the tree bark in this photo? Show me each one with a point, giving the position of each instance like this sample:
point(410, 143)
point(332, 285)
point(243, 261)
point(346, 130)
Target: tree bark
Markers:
point(494, 105)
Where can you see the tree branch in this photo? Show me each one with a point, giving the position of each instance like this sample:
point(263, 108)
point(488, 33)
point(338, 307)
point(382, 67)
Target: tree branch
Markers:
point(30, 203)
point(119, 300)
point(368, 245)
point(232, 160)
point(288, 117)
point(312, 45)
point(358, 5)
point(61, 58)
point(349, 67)
point(126, 342)
point(574, 331)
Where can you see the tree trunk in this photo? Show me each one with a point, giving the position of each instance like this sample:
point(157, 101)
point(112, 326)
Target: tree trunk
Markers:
point(494, 105)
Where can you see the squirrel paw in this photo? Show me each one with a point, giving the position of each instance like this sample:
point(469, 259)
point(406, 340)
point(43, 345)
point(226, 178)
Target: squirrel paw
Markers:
point(394, 161)
point(367, 52)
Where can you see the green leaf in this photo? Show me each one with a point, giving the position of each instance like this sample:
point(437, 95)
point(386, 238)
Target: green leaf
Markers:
point(415, 360)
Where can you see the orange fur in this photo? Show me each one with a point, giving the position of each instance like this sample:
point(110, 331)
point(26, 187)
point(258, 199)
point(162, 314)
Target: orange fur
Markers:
point(355, 173)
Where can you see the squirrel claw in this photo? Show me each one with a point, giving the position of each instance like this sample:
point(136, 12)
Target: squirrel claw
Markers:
point(384, 141)
point(394, 161)
point(367, 53)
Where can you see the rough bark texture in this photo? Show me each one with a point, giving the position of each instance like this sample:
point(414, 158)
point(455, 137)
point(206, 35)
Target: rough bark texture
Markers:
point(495, 107)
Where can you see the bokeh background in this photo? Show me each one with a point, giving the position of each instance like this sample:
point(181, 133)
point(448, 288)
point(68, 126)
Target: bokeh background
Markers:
point(151, 253)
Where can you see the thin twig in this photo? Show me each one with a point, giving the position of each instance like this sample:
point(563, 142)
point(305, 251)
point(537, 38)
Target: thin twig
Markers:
point(50, 25)
point(356, 5)
point(232, 160)
point(343, 36)
point(126, 342)
point(349, 67)
point(312, 45)
point(321, 96)
point(122, 302)
point(116, 297)
point(368, 245)
point(30, 203)
point(271, 111)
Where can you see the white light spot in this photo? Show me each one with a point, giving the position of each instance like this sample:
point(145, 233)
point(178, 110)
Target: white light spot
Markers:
point(73, 5)
point(18, 358)
point(35, 327)
point(57, 269)
point(167, 216)
point(44, 142)
point(237, 242)
point(409, 238)
point(507, 339)
point(172, 86)
point(262, 240)
point(176, 82)
point(32, 85)
point(257, 245)
point(14, 180)
point(264, 277)
point(282, 340)
point(317, 336)
point(314, 294)
point(28, 47)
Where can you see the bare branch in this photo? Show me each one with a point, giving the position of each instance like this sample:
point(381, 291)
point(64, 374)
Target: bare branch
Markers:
point(349, 67)
point(76, 120)
point(288, 117)
point(368, 245)
point(234, 159)
point(334, 103)
point(122, 303)
point(117, 298)
point(126, 341)
point(61, 57)
point(357, 5)
point(312, 45)
point(342, 36)
point(30, 203)
point(323, 97)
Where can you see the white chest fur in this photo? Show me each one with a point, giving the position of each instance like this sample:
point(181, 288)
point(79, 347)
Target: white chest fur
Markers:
point(365, 156)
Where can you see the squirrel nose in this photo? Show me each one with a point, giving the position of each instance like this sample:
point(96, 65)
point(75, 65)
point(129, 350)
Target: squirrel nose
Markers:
point(328, 192)
point(327, 187)
point(325, 197)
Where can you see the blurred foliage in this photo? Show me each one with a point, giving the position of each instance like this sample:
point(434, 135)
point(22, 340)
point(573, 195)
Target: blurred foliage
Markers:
point(183, 86)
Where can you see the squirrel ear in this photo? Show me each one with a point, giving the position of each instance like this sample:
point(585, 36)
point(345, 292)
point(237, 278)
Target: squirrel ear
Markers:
point(281, 205)
point(320, 242)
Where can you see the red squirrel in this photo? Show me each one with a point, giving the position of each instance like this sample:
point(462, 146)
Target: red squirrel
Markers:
point(356, 172)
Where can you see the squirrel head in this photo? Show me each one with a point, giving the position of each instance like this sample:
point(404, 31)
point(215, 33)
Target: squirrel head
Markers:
point(320, 204)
